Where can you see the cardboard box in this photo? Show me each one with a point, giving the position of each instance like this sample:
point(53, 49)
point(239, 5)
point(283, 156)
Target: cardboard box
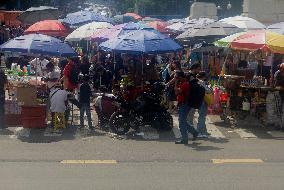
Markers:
point(27, 96)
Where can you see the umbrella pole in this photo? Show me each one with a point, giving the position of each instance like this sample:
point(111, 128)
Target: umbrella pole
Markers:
point(142, 71)
point(223, 67)
point(202, 58)
point(37, 58)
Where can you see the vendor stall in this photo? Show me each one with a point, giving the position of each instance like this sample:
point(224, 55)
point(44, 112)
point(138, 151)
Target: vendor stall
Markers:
point(250, 87)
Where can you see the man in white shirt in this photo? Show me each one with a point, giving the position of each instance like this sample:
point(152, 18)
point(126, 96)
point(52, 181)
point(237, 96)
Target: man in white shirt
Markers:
point(53, 76)
point(38, 66)
point(58, 100)
point(58, 104)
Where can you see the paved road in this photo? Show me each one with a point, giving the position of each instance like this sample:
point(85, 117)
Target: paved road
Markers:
point(232, 158)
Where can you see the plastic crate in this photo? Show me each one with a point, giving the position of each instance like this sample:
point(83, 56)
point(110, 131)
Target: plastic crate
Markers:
point(33, 111)
point(34, 122)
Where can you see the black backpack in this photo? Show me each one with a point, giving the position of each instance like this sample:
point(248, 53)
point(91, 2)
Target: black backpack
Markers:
point(74, 75)
point(196, 94)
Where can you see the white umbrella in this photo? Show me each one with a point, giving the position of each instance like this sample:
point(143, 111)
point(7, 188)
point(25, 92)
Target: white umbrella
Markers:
point(244, 22)
point(277, 28)
point(86, 31)
point(184, 25)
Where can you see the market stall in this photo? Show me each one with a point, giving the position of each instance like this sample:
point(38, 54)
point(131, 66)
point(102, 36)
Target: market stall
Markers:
point(26, 93)
point(250, 68)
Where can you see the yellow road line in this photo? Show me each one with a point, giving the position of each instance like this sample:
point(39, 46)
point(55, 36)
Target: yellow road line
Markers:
point(223, 161)
point(88, 162)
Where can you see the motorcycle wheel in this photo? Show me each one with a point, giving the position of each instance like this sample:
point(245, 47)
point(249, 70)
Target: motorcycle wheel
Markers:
point(119, 123)
point(164, 122)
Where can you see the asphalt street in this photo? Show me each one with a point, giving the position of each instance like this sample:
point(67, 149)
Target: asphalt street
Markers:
point(236, 156)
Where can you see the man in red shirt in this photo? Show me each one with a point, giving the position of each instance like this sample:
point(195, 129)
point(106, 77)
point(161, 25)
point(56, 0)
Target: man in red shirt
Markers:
point(182, 90)
point(68, 84)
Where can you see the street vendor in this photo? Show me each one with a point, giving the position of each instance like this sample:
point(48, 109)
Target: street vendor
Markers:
point(53, 76)
point(38, 66)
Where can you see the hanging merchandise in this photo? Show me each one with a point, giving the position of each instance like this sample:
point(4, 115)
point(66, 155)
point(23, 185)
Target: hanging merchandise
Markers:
point(246, 105)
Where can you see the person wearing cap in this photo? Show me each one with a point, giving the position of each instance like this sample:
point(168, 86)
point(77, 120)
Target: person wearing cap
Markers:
point(3, 82)
point(202, 111)
point(182, 90)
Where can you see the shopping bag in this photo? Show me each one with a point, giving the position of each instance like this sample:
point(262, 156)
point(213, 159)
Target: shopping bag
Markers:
point(209, 98)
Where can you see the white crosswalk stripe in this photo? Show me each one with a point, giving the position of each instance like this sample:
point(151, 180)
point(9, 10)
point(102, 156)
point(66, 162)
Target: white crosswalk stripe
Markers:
point(213, 130)
point(244, 133)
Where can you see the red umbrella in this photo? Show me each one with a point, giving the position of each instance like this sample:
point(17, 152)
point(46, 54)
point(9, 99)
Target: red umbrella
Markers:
point(48, 27)
point(159, 25)
point(134, 15)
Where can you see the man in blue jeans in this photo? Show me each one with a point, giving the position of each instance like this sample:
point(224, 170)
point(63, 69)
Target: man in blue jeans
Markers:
point(85, 101)
point(182, 92)
point(202, 111)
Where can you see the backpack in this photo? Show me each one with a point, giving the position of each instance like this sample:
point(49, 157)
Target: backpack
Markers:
point(74, 75)
point(196, 94)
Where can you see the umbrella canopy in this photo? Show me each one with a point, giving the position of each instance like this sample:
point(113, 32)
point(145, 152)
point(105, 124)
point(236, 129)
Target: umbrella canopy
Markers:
point(83, 17)
point(35, 14)
point(184, 25)
point(48, 27)
point(86, 31)
point(134, 15)
point(176, 27)
point(196, 23)
point(141, 41)
point(214, 30)
point(225, 42)
point(38, 44)
point(150, 19)
point(244, 22)
point(277, 28)
point(115, 31)
point(260, 39)
point(159, 25)
point(120, 19)
point(172, 21)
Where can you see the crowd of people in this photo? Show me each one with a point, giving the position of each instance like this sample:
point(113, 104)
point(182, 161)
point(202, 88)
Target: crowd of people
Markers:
point(188, 90)
point(82, 76)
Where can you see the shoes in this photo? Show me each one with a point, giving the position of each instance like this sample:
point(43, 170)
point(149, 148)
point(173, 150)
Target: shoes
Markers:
point(202, 136)
point(139, 134)
point(182, 142)
point(81, 127)
point(194, 136)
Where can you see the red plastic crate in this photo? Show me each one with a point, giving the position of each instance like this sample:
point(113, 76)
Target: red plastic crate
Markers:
point(33, 111)
point(34, 122)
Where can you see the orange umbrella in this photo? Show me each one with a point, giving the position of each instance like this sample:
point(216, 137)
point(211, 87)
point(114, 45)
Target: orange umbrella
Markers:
point(134, 15)
point(159, 25)
point(48, 27)
point(260, 39)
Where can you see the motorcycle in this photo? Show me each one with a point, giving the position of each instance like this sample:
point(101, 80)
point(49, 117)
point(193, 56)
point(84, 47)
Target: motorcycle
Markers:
point(146, 109)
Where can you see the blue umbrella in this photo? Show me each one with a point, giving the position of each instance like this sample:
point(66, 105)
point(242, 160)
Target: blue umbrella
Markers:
point(83, 17)
point(141, 42)
point(38, 44)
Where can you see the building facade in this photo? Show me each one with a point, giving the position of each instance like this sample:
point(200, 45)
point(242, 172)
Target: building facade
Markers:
point(266, 11)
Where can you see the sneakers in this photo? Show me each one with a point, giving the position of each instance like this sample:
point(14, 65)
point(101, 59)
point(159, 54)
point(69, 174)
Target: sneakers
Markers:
point(182, 142)
point(202, 136)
